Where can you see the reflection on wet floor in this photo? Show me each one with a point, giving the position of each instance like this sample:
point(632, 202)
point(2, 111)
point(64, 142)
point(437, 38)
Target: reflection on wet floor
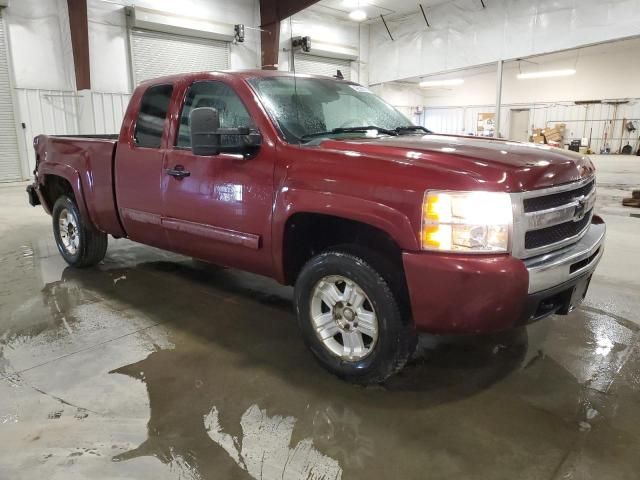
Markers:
point(156, 366)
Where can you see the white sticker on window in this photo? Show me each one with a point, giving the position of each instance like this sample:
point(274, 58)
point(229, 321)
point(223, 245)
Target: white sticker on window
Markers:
point(360, 88)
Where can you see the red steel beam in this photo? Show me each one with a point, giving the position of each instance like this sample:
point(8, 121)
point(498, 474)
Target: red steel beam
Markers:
point(80, 42)
point(271, 13)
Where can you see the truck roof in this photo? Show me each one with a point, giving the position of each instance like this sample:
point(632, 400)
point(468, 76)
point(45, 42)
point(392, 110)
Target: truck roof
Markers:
point(245, 74)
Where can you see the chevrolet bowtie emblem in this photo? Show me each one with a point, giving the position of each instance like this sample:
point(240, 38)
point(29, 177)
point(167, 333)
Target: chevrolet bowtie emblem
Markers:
point(579, 212)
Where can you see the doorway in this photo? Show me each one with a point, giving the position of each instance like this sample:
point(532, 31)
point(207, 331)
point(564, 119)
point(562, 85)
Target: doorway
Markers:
point(519, 125)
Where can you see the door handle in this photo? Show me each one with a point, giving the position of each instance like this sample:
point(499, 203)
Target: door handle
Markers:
point(178, 171)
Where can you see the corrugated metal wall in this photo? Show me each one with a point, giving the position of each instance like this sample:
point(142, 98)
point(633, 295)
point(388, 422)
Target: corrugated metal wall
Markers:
point(581, 121)
point(57, 112)
point(10, 165)
point(108, 111)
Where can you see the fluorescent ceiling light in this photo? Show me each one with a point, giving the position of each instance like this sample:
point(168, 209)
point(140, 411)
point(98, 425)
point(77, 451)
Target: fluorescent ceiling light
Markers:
point(441, 83)
point(358, 15)
point(547, 74)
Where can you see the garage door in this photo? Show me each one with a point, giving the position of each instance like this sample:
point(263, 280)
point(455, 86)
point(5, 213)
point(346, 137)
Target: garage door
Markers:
point(314, 65)
point(9, 156)
point(156, 54)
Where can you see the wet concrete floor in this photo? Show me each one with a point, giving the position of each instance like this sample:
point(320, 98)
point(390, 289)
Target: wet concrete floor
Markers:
point(155, 366)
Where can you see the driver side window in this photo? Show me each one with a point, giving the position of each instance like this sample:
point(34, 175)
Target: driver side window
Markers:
point(223, 98)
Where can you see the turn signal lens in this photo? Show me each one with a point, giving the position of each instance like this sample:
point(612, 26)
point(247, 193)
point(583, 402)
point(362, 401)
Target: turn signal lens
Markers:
point(473, 222)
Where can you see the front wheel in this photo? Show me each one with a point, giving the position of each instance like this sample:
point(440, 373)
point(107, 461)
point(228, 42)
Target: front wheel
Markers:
point(350, 318)
point(80, 244)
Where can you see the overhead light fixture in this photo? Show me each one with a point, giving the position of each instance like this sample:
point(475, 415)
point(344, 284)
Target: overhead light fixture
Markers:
point(547, 73)
point(358, 15)
point(441, 83)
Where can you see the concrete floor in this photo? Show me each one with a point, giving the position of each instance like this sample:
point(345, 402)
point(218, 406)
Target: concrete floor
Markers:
point(153, 366)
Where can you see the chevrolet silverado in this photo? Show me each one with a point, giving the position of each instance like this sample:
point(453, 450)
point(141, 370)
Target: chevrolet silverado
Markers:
point(384, 228)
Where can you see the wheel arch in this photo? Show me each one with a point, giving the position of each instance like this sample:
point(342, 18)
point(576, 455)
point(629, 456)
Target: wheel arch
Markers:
point(316, 224)
point(59, 179)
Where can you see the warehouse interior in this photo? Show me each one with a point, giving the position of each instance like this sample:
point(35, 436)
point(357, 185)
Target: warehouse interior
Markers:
point(155, 365)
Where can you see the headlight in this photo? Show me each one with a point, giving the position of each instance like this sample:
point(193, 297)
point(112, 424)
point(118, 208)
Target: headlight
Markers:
point(472, 222)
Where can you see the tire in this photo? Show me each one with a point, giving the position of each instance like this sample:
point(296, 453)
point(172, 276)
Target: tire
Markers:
point(79, 243)
point(372, 359)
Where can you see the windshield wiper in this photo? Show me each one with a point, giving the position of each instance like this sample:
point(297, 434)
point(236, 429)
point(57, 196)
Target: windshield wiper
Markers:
point(367, 128)
point(411, 128)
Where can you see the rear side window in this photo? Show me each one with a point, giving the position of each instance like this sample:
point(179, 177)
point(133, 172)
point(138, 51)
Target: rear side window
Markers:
point(153, 111)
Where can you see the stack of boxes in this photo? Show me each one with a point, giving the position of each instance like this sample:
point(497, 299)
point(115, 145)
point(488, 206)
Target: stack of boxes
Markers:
point(553, 135)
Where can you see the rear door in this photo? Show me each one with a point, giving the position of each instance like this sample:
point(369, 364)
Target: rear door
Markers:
point(139, 160)
point(221, 211)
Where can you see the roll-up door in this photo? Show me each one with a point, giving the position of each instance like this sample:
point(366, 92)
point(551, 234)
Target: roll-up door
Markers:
point(156, 54)
point(314, 65)
point(10, 170)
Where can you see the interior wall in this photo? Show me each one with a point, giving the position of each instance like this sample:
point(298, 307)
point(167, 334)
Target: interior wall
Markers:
point(463, 34)
point(333, 33)
point(40, 44)
point(43, 68)
point(604, 72)
point(111, 68)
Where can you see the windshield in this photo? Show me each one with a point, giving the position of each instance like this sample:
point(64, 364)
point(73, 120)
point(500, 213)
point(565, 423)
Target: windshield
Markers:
point(311, 107)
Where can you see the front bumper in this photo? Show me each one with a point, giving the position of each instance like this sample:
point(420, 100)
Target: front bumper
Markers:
point(454, 293)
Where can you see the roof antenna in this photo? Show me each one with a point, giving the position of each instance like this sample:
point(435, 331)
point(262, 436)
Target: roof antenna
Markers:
point(293, 68)
point(339, 75)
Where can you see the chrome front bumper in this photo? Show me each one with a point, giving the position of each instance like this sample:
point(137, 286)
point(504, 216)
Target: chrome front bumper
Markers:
point(555, 268)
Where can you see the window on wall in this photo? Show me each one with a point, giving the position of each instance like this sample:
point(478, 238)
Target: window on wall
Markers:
point(224, 99)
point(153, 111)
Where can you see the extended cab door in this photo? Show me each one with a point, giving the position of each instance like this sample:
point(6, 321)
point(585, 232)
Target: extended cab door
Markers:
point(139, 161)
point(219, 208)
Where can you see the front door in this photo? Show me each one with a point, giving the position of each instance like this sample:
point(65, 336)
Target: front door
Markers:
point(138, 169)
point(219, 208)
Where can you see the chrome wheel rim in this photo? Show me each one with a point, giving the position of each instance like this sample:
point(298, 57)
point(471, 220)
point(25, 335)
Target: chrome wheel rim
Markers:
point(69, 233)
point(343, 318)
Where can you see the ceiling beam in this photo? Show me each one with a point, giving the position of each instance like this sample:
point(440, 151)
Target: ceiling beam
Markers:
point(271, 13)
point(80, 42)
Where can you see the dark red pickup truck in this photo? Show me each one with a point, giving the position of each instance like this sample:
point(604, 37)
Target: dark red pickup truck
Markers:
point(384, 228)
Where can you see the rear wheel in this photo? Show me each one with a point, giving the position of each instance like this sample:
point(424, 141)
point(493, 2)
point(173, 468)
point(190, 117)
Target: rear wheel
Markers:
point(350, 318)
point(79, 243)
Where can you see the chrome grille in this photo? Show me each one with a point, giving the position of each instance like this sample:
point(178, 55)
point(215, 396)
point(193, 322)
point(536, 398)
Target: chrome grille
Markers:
point(551, 218)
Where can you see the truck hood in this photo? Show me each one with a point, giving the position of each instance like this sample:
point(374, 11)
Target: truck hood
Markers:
point(514, 166)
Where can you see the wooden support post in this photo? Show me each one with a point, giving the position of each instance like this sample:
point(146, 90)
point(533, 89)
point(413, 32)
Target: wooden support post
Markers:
point(271, 13)
point(80, 42)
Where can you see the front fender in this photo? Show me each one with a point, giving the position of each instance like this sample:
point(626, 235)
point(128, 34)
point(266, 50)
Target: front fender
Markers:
point(291, 201)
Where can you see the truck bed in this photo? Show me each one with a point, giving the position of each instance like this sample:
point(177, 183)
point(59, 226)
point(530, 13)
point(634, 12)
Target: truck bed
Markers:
point(89, 161)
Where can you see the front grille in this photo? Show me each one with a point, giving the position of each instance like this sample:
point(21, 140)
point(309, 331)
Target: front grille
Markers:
point(556, 233)
point(536, 204)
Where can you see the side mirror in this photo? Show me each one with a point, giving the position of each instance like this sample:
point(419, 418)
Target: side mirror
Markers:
point(206, 135)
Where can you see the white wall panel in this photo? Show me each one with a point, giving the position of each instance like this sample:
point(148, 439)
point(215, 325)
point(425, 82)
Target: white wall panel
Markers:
point(52, 112)
point(463, 34)
point(108, 111)
point(40, 42)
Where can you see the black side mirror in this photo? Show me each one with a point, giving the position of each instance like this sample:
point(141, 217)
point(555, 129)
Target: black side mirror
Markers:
point(206, 134)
